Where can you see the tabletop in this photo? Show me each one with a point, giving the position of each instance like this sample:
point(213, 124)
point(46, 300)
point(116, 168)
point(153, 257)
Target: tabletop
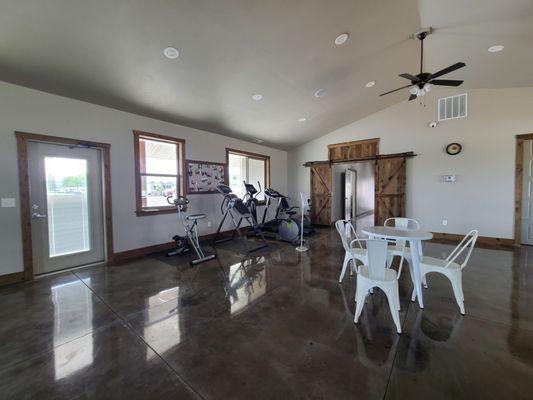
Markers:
point(390, 232)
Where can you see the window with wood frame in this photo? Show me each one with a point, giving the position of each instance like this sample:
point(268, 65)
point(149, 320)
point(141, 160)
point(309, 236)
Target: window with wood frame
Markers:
point(249, 167)
point(159, 166)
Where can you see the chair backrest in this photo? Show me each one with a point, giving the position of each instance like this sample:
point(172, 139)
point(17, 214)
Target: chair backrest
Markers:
point(377, 258)
point(404, 223)
point(467, 244)
point(347, 233)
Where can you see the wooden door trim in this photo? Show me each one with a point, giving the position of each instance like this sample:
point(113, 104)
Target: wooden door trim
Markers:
point(24, 188)
point(519, 160)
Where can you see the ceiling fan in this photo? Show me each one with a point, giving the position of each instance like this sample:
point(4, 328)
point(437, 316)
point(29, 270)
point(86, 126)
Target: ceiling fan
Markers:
point(423, 82)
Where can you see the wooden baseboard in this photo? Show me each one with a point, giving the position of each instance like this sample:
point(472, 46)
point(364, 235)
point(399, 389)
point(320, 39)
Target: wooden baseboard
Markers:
point(9, 279)
point(486, 242)
point(129, 255)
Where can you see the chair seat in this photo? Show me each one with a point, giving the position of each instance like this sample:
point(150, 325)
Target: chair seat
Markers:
point(433, 263)
point(194, 217)
point(390, 274)
point(358, 252)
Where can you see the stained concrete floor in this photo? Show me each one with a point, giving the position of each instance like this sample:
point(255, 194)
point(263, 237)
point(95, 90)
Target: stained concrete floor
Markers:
point(273, 325)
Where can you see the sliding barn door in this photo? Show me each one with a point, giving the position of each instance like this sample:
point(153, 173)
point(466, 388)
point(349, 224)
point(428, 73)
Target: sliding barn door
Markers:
point(321, 194)
point(390, 189)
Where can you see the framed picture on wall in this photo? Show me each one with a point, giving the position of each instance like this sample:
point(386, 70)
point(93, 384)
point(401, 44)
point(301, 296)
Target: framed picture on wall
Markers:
point(202, 177)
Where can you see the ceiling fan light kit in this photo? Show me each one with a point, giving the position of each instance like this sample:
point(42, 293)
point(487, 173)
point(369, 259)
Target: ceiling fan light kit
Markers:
point(424, 81)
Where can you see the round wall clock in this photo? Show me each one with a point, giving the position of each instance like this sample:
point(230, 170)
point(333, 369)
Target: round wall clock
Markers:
point(453, 149)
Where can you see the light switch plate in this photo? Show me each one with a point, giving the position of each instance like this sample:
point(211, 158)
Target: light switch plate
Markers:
point(8, 202)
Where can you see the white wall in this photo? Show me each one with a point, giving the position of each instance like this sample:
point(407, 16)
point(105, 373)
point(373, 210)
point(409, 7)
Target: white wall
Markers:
point(27, 110)
point(483, 196)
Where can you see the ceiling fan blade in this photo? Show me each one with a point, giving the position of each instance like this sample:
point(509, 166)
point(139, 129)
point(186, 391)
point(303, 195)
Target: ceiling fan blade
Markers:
point(446, 82)
point(395, 90)
point(412, 78)
point(412, 97)
point(451, 68)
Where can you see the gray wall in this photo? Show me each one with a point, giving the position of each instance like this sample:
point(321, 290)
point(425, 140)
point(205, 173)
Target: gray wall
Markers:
point(483, 196)
point(32, 111)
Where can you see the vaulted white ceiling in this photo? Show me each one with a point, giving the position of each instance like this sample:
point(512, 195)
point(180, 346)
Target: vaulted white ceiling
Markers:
point(109, 52)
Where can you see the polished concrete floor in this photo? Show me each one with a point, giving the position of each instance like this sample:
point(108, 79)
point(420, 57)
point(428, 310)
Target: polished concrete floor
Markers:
point(275, 325)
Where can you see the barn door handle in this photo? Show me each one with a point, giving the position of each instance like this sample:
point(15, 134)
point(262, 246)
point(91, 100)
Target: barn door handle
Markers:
point(38, 216)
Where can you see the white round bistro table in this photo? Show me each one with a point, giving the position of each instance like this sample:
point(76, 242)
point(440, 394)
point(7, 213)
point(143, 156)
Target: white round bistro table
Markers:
point(414, 237)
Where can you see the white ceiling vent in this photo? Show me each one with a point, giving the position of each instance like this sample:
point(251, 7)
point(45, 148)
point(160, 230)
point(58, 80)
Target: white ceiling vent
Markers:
point(453, 107)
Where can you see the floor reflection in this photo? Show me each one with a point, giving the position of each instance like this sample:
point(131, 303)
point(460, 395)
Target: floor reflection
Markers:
point(247, 282)
point(69, 358)
point(162, 325)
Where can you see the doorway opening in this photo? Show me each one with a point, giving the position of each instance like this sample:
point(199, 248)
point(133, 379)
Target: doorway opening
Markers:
point(65, 200)
point(523, 223)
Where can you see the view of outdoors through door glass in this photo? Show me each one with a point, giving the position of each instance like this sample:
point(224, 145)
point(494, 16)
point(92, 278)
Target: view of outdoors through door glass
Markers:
point(68, 216)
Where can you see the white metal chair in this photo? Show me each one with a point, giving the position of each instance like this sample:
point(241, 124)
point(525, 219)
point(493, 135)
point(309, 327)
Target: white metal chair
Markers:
point(399, 247)
point(450, 267)
point(375, 273)
point(349, 239)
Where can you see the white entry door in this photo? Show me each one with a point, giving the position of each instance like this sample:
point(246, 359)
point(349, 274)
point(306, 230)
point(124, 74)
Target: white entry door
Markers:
point(66, 197)
point(527, 194)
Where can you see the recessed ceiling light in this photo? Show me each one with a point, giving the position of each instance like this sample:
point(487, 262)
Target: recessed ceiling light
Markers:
point(370, 84)
point(496, 48)
point(341, 39)
point(303, 119)
point(257, 97)
point(320, 93)
point(171, 52)
point(258, 140)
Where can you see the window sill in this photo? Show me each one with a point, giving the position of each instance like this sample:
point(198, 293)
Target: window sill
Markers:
point(158, 211)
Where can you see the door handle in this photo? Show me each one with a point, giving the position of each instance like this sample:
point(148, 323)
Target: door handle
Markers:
point(37, 216)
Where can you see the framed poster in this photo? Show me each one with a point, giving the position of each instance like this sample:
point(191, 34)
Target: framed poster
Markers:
point(204, 176)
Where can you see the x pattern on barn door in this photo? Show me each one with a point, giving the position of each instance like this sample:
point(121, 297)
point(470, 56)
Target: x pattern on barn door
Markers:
point(321, 194)
point(390, 188)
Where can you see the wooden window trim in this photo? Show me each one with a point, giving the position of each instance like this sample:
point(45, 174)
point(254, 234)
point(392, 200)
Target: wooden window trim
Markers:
point(24, 187)
point(255, 156)
point(137, 135)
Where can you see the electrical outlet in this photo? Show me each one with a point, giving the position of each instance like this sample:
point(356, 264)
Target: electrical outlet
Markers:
point(444, 222)
point(209, 224)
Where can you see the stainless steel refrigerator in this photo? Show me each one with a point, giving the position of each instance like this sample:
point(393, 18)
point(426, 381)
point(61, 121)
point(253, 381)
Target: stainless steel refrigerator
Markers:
point(358, 193)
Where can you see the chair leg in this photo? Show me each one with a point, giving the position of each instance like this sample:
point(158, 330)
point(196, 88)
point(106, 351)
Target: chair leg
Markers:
point(393, 309)
point(424, 281)
point(413, 294)
point(344, 266)
point(361, 294)
point(397, 297)
point(457, 286)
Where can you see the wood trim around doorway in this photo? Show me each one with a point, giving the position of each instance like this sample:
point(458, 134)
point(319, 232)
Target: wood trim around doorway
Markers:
point(518, 185)
point(24, 187)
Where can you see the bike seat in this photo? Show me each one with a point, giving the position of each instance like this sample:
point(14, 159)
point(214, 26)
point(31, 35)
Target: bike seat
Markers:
point(194, 217)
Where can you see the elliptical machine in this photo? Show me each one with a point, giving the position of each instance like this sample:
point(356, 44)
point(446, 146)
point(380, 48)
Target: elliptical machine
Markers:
point(189, 223)
point(285, 228)
point(250, 198)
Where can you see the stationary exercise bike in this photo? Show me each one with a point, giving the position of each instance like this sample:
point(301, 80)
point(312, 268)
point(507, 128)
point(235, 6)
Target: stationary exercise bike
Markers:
point(282, 225)
point(189, 223)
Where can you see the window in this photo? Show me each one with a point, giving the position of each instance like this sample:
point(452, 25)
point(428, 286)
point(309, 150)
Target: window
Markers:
point(159, 166)
point(249, 167)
